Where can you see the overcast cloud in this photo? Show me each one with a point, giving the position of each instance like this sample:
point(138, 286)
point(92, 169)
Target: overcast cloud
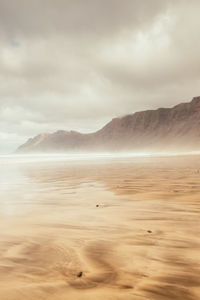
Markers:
point(75, 64)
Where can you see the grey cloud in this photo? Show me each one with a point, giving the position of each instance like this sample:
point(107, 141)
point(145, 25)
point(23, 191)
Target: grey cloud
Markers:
point(45, 17)
point(75, 64)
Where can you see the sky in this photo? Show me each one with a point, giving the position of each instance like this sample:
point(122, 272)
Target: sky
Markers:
point(75, 65)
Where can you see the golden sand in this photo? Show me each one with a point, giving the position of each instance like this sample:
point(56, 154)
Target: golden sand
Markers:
point(131, 226)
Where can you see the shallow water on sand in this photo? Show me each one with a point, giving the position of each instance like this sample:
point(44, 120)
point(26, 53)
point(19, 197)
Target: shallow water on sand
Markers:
point(130, 225)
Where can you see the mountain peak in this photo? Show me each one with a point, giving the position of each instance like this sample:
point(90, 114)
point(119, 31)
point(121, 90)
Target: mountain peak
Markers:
point(196, 100)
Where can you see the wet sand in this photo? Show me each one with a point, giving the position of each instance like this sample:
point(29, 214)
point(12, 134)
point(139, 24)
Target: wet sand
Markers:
point(131, 226)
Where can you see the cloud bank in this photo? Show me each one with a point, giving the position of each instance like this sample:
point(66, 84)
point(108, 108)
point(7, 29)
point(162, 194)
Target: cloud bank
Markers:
point(74, 64)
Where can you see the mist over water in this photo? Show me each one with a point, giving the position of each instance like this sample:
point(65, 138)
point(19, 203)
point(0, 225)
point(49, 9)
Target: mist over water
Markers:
point(48, 157)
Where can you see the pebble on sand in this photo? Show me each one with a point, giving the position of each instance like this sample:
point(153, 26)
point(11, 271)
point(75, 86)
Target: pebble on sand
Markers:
point(80, 274)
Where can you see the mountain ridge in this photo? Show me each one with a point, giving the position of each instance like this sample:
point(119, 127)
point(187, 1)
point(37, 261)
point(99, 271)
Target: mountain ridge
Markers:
point(159, 129)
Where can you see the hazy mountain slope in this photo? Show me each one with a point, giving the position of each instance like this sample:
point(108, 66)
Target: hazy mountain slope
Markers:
point(161, 129)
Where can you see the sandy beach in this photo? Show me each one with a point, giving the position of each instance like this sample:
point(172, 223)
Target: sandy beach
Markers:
point(106, 229)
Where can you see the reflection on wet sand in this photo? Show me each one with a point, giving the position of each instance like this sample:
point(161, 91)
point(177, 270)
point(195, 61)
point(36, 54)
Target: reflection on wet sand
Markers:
point(115, 229)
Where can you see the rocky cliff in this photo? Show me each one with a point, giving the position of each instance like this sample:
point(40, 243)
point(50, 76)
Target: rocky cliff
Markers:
point(176, 128)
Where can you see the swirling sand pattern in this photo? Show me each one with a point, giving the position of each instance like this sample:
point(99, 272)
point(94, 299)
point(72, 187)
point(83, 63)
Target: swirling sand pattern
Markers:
point(131, 227)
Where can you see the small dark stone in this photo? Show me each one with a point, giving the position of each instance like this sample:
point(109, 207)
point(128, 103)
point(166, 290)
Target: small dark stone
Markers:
point(97, 205)
point(149, 231)
point(124, 286)
point(80, 274)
